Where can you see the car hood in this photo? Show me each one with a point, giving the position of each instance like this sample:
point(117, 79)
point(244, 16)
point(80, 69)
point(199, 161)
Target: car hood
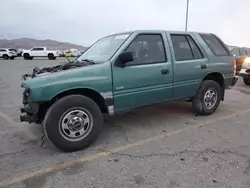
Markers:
point(61, 73)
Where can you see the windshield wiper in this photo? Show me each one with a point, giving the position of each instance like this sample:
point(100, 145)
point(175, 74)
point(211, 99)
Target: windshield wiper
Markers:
point(89, 61)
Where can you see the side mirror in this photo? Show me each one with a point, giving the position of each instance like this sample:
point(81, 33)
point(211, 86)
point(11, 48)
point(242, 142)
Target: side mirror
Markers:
point(124, 58)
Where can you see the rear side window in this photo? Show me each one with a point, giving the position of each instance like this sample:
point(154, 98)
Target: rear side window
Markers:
point(3, 50)
point(195, 49)
point(215, 45)
point(37, 49)
point(185, 48)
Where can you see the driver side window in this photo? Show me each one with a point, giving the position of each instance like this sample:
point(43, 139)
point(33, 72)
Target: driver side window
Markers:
point(147, 49)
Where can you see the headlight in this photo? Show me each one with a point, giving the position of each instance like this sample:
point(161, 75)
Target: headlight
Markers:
point(247, 60)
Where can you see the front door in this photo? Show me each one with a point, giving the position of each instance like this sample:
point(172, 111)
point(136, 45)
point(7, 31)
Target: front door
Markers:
point(149, 78)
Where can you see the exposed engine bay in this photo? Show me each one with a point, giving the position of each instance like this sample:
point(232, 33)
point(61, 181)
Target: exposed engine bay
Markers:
point(48, 70)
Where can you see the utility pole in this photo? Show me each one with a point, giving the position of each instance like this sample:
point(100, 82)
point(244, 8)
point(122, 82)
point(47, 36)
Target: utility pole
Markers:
point(187, 15)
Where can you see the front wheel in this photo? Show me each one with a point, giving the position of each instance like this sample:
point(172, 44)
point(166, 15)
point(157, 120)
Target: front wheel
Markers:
point(51, 57)
point(73, 122)
point(247, 80)
point(208, 98)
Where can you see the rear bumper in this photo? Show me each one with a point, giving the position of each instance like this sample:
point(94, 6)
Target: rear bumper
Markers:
point(231, 81)
point(234, 81)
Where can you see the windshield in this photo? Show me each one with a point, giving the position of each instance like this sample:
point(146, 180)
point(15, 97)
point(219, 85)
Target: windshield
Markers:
point(104, 49)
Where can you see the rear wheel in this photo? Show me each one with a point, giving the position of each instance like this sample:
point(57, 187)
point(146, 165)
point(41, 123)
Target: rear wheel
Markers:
point(73, 122)
point(208, 98)
point(5, 56)
point(247, 80)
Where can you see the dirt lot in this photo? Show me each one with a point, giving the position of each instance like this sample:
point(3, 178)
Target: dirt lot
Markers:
point(160, 146)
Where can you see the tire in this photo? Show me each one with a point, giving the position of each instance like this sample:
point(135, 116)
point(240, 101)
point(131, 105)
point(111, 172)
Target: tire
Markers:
point(60, 134)
point(12, 58)
point(247, 80)
point(31, 58)
point(5, 56)
point(26, 56)
point(207, 88)
point(51, 56)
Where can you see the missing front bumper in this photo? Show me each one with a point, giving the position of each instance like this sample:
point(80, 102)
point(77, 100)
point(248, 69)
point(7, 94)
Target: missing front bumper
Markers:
point(29, 113)
point(28, 118)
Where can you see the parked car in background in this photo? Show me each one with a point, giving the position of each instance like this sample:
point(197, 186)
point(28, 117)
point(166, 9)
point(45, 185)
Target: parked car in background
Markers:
point(40, 52)
point(245, 71)
point(240, 54)
point(60, 53)
point(19, 52)
point(124, 71)
point(6, 53)
point(68, 53)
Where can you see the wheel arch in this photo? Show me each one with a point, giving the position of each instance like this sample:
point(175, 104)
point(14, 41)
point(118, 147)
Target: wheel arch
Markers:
point(50, 53)
point(219, 78)
point(96, 96)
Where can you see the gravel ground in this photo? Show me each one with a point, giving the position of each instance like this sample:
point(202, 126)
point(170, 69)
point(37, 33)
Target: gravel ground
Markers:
point(159, 146)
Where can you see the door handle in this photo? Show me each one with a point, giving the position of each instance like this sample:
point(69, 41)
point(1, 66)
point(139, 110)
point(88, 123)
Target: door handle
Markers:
point(164, 71)
point(203, 66)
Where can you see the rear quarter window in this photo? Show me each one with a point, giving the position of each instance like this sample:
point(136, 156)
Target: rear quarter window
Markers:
point(217, 48)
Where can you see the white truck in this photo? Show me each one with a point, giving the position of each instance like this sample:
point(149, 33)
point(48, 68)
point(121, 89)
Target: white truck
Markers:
point(40, 52)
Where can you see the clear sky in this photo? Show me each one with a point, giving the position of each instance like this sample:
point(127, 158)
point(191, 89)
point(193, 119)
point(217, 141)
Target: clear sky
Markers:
point(84, 21)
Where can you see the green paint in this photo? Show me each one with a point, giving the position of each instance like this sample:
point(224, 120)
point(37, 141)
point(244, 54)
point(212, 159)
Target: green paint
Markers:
point(138, 85)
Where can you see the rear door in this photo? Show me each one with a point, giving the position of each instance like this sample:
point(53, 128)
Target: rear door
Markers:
point(149, 78)
point(190, 64)
point(222, 60)
point(34, 52)
point(43, 52)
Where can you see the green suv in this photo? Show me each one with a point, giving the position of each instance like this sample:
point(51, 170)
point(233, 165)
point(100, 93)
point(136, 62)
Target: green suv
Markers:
point(124, 71)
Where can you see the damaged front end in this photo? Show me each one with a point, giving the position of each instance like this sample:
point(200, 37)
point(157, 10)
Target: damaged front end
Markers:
point(29, 111)
point(34, 108)
point(48, 70)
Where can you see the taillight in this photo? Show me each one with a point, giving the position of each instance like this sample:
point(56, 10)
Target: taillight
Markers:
point(234, 67)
